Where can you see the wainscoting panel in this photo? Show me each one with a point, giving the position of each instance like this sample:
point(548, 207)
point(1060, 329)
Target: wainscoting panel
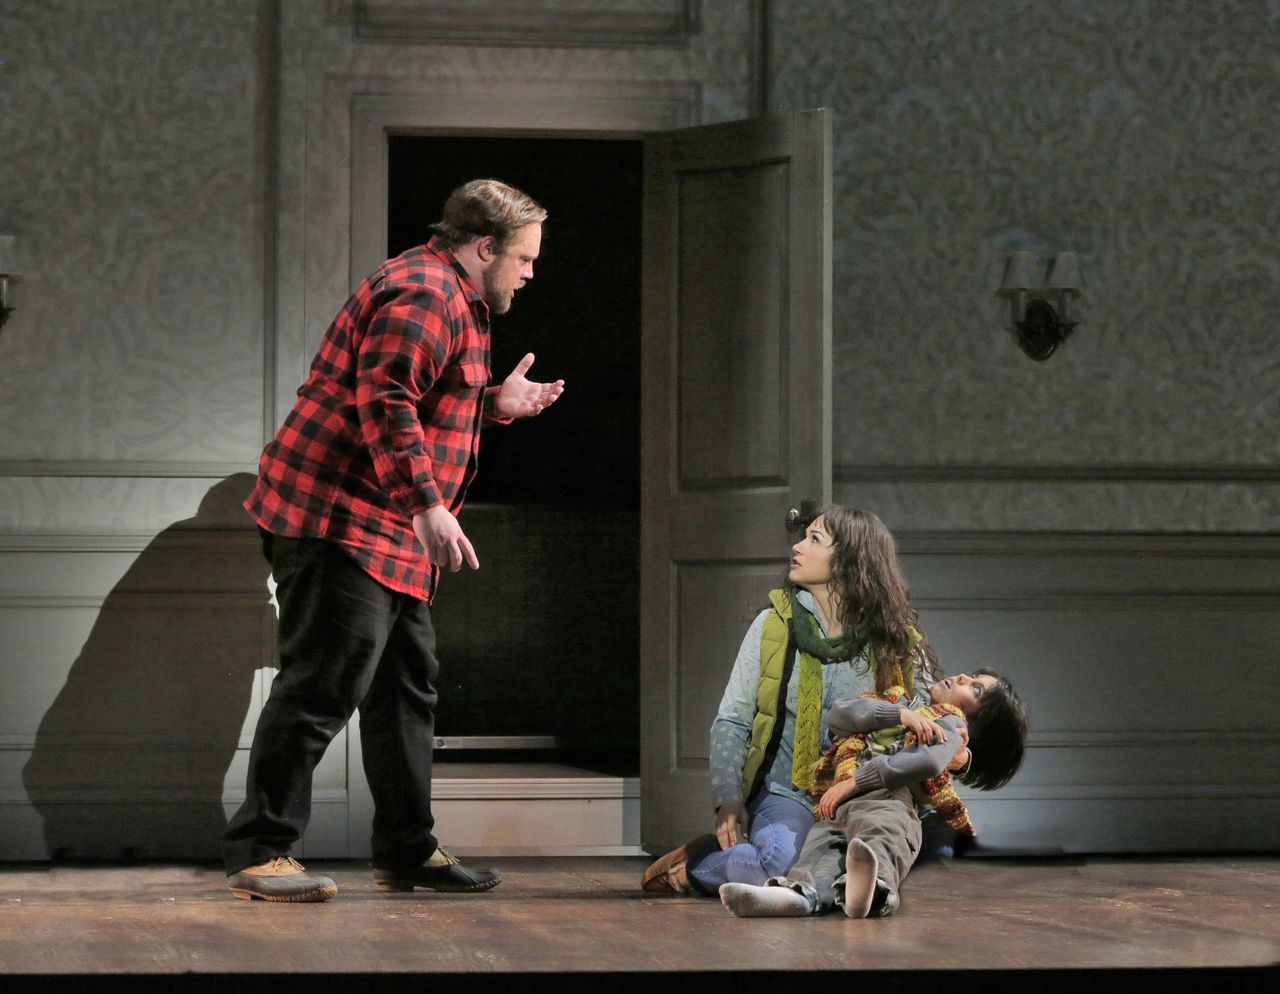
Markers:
point(134, 670)
point(1146, 663)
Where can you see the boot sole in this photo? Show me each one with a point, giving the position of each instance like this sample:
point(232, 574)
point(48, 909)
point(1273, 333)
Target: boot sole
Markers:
point(403, 886)
point(305, 897)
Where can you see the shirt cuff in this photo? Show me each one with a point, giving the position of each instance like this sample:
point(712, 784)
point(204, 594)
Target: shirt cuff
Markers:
point(868, 778)
point(489, 408)
point(413, 501)
point(887, 715)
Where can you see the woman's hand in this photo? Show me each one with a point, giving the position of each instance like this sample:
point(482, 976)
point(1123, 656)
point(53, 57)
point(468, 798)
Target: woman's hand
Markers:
point(731, 824)
point(835, 796)
point(926, 731)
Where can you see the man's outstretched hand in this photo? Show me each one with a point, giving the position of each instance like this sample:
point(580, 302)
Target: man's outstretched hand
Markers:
point(522, 398)
point(443, 538)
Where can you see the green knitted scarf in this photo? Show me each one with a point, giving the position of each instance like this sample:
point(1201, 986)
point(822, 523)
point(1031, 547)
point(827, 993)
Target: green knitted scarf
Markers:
point(814, 652)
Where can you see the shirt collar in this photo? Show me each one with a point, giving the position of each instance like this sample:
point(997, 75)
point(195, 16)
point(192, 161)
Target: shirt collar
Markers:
point(806, 601)
point(437, 248)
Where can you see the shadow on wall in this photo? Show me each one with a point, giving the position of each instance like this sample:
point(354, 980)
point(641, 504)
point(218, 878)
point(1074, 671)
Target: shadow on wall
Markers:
point(130, 759)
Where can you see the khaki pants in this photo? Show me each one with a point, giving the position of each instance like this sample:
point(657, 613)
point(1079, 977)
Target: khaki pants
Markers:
point(887, 822)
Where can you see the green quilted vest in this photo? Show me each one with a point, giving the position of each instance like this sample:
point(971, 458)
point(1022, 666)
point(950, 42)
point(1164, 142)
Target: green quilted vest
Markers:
point(775, 672)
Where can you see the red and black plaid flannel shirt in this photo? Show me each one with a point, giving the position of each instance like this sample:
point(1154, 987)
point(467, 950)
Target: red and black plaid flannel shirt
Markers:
point(388, 422)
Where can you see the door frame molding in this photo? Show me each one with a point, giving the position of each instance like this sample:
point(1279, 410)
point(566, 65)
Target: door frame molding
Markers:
point(614, 111)
point(585, 110)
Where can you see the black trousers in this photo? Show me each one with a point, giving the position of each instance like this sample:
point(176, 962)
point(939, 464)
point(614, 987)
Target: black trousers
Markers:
point(345, 642)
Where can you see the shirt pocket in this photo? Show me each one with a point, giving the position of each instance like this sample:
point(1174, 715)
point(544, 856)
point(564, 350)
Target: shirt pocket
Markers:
point(453, 403)
point(474, 374)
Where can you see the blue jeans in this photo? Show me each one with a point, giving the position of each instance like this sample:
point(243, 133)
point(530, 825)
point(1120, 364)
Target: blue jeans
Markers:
point(777, 831)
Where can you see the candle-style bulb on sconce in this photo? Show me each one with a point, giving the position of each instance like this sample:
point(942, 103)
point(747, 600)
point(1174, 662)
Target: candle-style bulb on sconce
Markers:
point(1064, 272)
point(1020, 272)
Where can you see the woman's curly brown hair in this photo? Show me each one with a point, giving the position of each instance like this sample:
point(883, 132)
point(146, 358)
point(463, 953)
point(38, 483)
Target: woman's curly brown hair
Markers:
point(867, 584)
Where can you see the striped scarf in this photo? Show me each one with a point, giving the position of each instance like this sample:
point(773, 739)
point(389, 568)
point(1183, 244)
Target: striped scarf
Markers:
point(842, 760)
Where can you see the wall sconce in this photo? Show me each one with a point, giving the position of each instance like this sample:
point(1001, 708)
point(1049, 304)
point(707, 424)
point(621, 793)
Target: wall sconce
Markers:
point(1041, 318)
point(8, 269)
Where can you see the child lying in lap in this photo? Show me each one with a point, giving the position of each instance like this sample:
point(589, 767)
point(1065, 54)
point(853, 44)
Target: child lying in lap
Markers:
point(887, 759)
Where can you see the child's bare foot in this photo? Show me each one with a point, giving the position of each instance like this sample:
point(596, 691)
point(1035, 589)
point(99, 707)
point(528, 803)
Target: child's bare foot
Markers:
point(748, 901)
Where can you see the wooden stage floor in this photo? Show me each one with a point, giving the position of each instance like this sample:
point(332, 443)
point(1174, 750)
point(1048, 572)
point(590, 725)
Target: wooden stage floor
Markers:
point(570, 923)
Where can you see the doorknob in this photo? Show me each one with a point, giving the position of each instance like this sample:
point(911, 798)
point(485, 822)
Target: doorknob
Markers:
point(799, 518)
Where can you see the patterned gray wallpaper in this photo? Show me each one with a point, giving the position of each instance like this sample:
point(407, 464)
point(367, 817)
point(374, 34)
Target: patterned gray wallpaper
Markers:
point(133, 177)
point(1141, 134)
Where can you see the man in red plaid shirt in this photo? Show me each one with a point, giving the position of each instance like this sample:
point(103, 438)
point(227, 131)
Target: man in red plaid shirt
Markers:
point(356, 500)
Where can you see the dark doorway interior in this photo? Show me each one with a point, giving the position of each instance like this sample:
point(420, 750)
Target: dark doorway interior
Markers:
point(543, 641)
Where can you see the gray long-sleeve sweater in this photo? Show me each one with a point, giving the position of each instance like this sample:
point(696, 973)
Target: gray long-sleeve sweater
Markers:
point(893, 770)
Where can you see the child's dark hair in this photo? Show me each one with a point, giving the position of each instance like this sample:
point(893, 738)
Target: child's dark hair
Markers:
point(997, 735)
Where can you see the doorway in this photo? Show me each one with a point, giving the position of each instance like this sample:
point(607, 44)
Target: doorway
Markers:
point(540, 648)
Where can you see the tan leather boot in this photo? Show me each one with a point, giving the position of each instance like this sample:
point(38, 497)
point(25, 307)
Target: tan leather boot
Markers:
point(280, 879)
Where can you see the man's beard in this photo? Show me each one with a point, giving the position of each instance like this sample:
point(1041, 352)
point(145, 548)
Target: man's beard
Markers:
point(496, 296)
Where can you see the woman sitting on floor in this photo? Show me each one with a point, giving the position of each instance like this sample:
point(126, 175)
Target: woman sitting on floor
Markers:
point(841, 626)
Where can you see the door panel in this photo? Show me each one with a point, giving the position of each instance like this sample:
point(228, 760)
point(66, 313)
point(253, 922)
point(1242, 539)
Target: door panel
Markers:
point(732, 288)
point(736, 411)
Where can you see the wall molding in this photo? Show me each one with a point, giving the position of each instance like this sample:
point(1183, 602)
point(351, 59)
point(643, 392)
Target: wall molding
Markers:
point(124, 469)
point(1209, 739)
point(1077, 543)
point(578, 110)
point(144, 600)
point(270, 60)
point(563, 24)
point(535, 788)
point(227, 541)
point(628, 788)
point(14, 742)
point(1135, 792)
point(1194, 545)
point(1130, 473)
point(153, 796)
point(1095, 603)
point(758, 58)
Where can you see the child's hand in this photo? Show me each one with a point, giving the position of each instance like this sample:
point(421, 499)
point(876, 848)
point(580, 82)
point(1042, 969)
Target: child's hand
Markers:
point(961, 758)
point(835, 796)
point(926, 731)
